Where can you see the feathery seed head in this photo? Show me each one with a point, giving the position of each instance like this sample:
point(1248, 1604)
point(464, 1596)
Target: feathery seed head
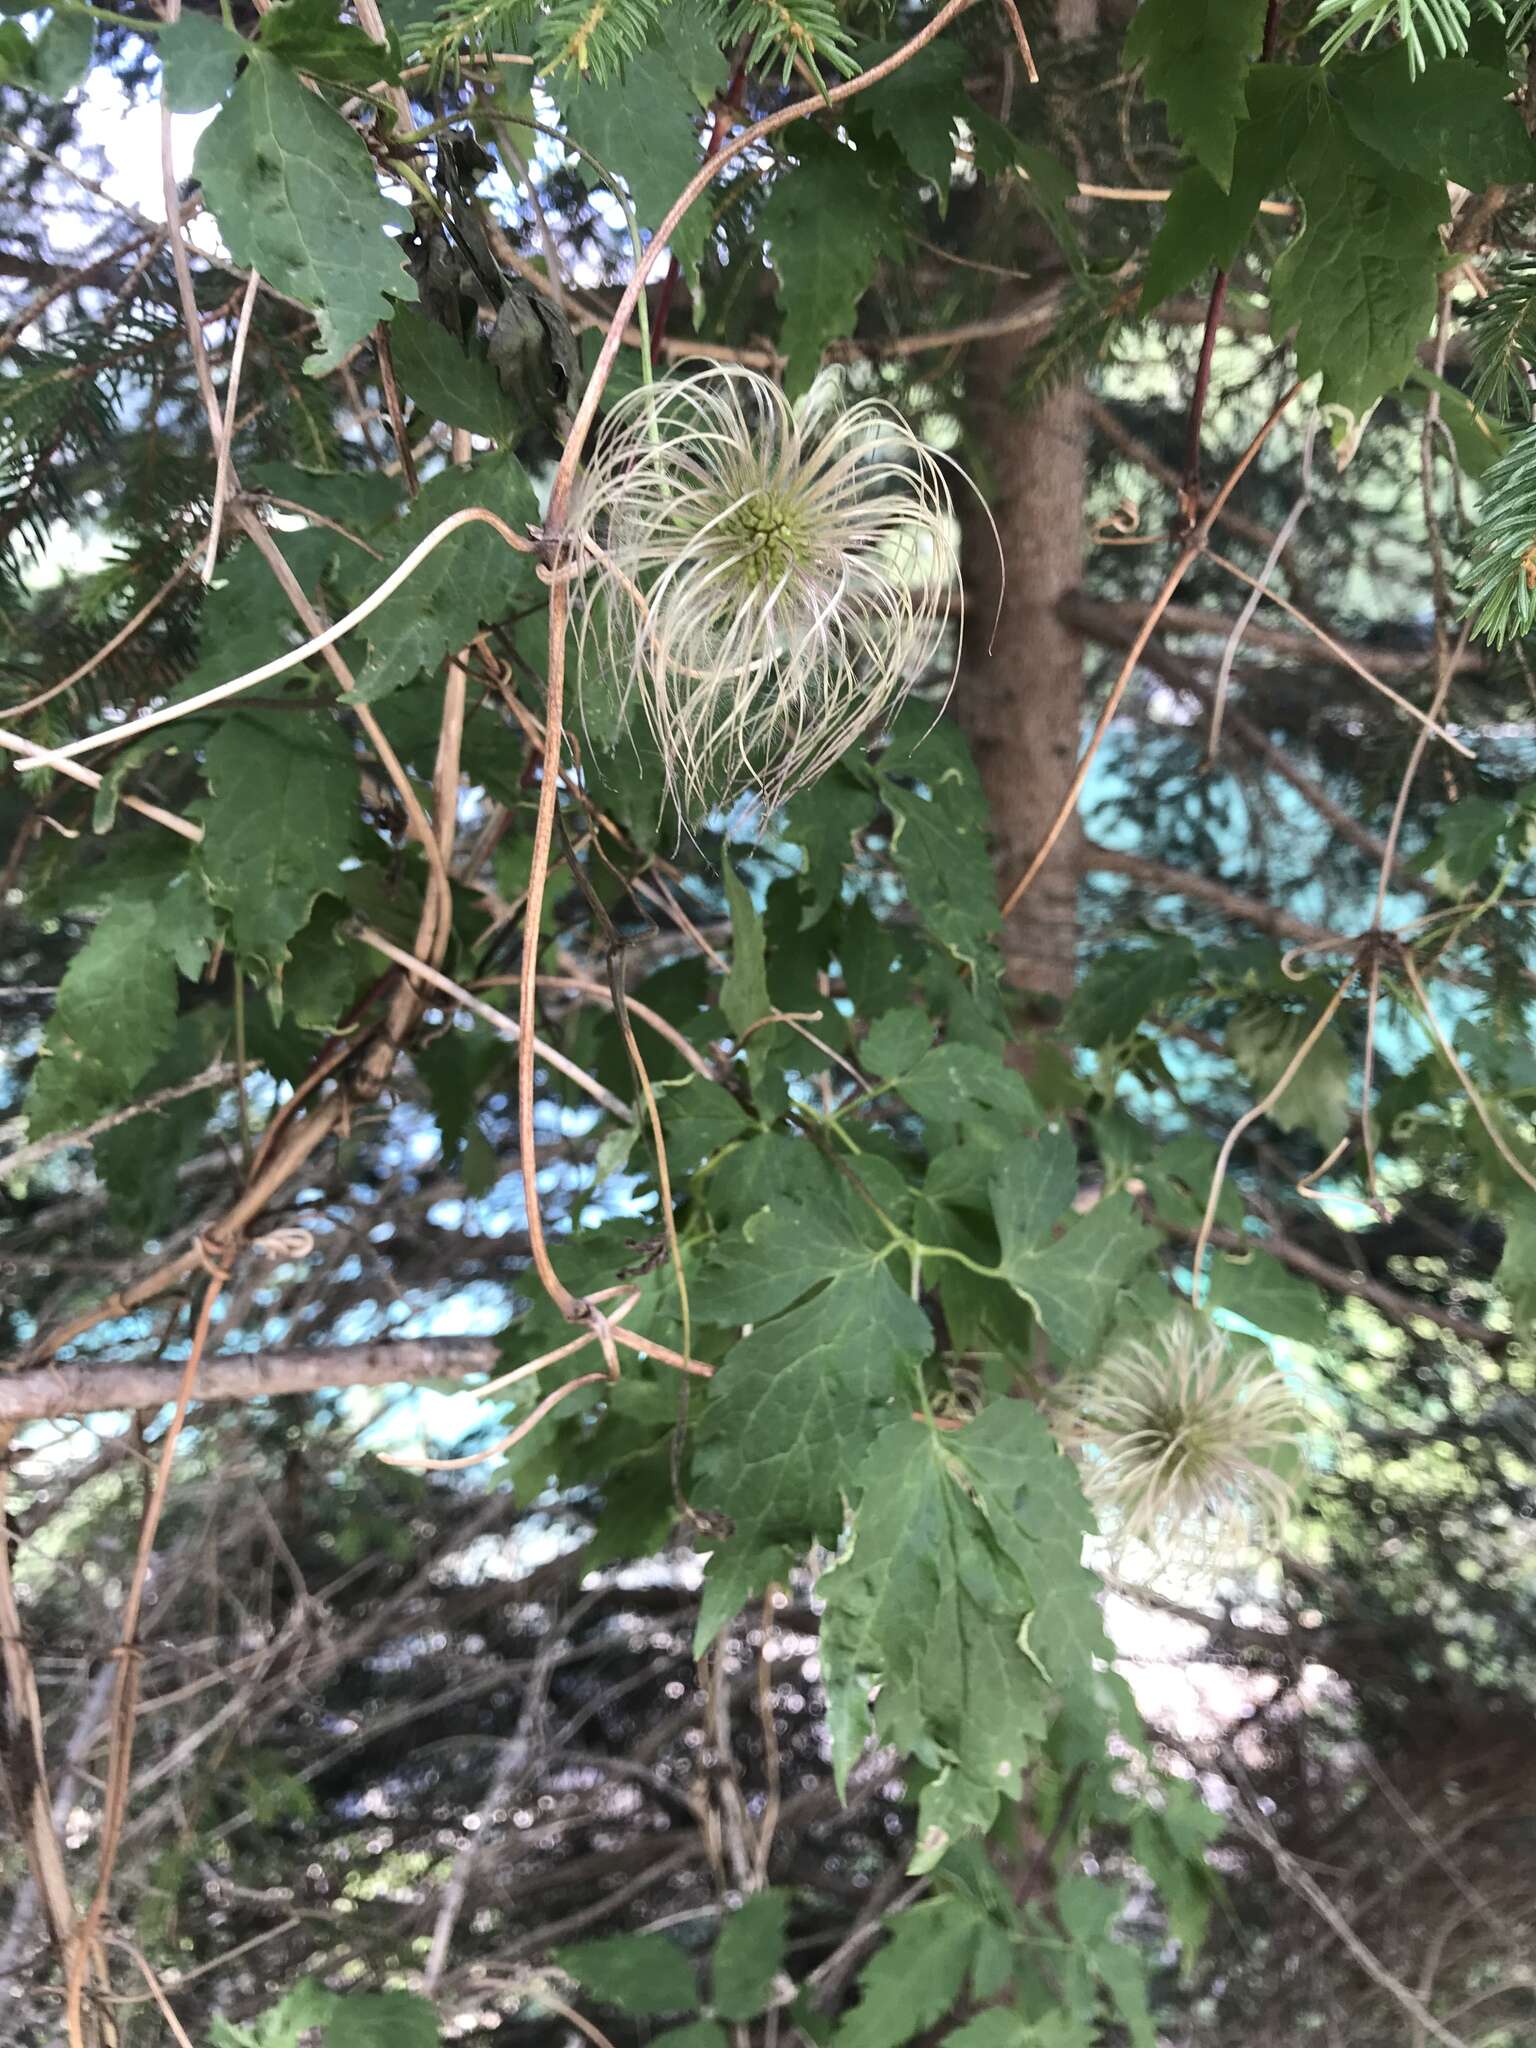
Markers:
point(764, 580)
point(1188, 1437)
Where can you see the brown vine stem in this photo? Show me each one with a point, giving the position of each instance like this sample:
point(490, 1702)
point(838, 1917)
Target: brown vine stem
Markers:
point(1016, 23)
point(1193, 433)
point(28, 756)
point(156, 1990)
point(529, 1423)
point(583, 2025)
point(29, 1803)
point(632, 1340)
point(122, 1714)
point(497, 1019)
point(719, 127)
point(227, 434)
point(570, 1307)
point(391, 388)
point(1187, 557)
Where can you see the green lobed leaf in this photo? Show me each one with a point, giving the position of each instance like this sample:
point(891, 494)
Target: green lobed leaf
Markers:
point(285, 2025)
point(1271, 1297)
point(701, 1118)
point(940, 841)
point(1517, 1267)
point(1179, 1179)
point(779, 1254)
point(1468, 834)
point(448, 383)
point(919, 108)
point(277, 824)
point(916, 1976)
point(950, 1083)
point(1123, 1974)
point(1455, 120)
point(821, 821)
point(645, 1975)
point(694, 47)
point(1205, 225)
point(1263, 1040)
point(138, 1162)
point(381, 2019)
point(325, 971)
point(1197, 55)
point(309, 35)
point(1169, 1842)
point(1126, 984)
point(1073, 1281)
point(823, 275)
point(737, 1571)
point(1359, 283)
point(692, 2034)
point(295, 196)
point(1038, 1515)
point(749, 1955)
point(795, 1404)
point(470, 580)
point(963, 1548)
point(114, 1015)
point(644, 128)
point(198, 58)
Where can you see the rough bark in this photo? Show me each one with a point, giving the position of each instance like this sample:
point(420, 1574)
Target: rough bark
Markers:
point(1020, 691)
point(1022, 703)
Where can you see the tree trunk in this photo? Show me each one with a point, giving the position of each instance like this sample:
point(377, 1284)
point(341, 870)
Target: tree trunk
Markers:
point(1021, 703)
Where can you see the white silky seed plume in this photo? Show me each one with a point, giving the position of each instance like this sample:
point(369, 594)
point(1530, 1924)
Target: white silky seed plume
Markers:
point(764, 581)
point(1182, 1435)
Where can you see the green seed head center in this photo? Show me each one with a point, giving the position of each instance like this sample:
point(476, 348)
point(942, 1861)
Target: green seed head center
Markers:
point(767, 538)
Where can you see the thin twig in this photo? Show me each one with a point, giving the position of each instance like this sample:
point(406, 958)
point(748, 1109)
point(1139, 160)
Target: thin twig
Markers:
point(530, 1422)
point(391, 389)
point(125, 1691)
point(1341, 653)
point(29, 756)
point(1448, 1052)
point(216, 1076)
point(1299, 1880)
point(281, 664)
point(1015, 22)
point(1188, 555)
point(227, 436)
point(497, 1019)
point(1260, 1108)
point(1255, 596)
point(119, 639)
